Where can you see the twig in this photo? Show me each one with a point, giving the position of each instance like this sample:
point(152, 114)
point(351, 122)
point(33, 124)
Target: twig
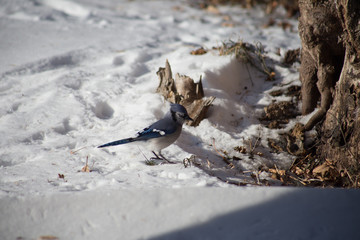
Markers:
point(143, 154)
point(75, 151)
point(265, 69)
point(251, 146)
point(352, 181)
point(256, 144)
point(257, 177)
point(86, 167)
point(298, 179)
point(188, 162)
point(147, 161)
point(222, 156)
point(213, 139)
point(247, 69)
point(209, 163)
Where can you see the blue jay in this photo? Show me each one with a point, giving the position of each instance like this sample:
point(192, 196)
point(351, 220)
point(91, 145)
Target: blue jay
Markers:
point(160, 134)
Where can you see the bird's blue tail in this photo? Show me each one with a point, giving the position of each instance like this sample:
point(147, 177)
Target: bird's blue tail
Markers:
point(118, 142)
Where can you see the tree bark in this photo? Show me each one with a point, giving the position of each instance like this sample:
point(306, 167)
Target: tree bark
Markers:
point(330, 72)
point(321, 56)
point(341, 128)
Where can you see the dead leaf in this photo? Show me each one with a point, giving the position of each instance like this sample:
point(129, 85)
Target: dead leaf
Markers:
point(275, 145)
point(259, 154)
point(86, 168)
point(227, 18)
point(270, 76)
point(213, 9)
point(199, 51)
point(48, 237)
point(228, 24)
point(178, 8)
point(322, 169)
point(277, 171)
point(299, 171)
point(240, 149)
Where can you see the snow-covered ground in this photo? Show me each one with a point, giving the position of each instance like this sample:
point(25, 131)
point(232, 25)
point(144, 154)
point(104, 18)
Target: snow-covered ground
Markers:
point(77, 74)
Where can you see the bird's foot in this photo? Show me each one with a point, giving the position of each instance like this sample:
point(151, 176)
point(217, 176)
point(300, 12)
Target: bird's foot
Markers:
point(160, 157)
point(167, 162)
point(153, 160)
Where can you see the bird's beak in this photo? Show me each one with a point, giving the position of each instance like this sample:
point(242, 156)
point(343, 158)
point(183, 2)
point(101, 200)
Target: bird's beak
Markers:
point(189, 118)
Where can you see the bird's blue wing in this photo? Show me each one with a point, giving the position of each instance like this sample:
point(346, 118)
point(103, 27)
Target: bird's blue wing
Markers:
point(157, 129)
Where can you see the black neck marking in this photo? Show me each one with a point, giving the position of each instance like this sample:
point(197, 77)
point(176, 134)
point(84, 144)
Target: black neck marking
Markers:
point(173, 115)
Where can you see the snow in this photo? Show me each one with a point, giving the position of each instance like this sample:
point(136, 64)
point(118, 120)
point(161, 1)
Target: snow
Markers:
point(77, 74)
point(186, 213)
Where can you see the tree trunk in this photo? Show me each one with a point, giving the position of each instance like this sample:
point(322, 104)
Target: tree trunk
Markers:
point(330, 69)
point(341, 128)
point(322, 56)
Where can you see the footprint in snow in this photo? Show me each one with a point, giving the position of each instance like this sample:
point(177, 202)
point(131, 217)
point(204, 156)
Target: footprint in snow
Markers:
point(103, 110)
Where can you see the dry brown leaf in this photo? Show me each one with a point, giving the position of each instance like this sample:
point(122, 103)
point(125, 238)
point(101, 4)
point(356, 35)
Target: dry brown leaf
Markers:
point(274, 176)
point(228, 24)
point(271, 76)
point(259, 154)
point(178, 8)
point(299, 171)
point(322, 169)
point(212, 9)
point(227, 18)
point(48, 237)
point(277, 171)
point(199, 51)
point(240, 149)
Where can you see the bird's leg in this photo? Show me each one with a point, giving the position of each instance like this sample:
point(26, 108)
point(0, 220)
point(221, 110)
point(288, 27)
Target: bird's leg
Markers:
point(156, 157)
point(168, 161)
point(161, 157)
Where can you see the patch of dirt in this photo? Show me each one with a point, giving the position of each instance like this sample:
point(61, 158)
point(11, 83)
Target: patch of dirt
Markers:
point(307, 169)
point(292, 56)
point(294, 91)
point(278, 114)
point(199, 51)
point(280, 111)
point(291, 141)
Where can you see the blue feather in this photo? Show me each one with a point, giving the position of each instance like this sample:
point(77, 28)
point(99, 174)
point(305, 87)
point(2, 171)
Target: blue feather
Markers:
point(149, 133)
point(118, 142)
